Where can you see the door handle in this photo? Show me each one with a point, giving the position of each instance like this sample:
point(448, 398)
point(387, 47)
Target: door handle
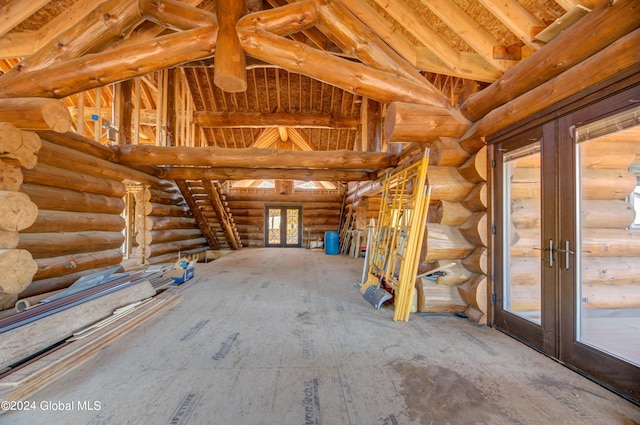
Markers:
point(567, 251)
point(550, 251)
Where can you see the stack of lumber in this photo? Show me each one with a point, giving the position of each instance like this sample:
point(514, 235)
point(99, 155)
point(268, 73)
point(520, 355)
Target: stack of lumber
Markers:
point(44, 326)
point(26, 381)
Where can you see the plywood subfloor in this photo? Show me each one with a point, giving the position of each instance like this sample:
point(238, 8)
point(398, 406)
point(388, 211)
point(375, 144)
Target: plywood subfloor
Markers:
point(282, 336)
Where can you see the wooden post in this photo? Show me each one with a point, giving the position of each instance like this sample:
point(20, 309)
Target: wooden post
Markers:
point(229, 61)
point(124, 112)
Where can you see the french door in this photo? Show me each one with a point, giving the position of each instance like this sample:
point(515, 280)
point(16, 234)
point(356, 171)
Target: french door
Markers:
point(567, 233)
point(283, 226)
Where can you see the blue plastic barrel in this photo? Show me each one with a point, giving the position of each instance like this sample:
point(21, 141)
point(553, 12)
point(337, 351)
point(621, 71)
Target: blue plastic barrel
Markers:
point(331, 245)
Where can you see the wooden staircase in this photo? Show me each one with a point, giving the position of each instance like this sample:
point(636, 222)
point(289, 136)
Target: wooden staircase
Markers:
point(204, 198)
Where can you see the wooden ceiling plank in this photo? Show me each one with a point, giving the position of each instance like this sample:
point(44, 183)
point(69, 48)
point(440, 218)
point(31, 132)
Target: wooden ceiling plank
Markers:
point(403, 13)
point(383, 28)
point(16, 11)
point(516, 18)
point(567, 4)
point(468, 29)
point(339, 24)
point(300, 139)
point(267, 138)
point(260, 120)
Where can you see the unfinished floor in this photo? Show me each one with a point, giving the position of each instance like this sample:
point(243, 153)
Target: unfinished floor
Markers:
point(282, 336)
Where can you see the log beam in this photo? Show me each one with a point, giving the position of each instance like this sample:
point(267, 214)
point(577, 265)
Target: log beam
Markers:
point(605, 24)
point(107, 22)
point(49, 198)
point(73, 160)
point(620, 56)
point(45, 245)
point(251, 158)
point(199, 173)
point(296, 57)
point(406, 122)
point(67, 264)
point(354, 38)
point(17, 212)
point(35, 113)
point(47, 175)
point(50, 221)
point(11, 177)
point(99, 69)
point(273, 120)
point(176, 15)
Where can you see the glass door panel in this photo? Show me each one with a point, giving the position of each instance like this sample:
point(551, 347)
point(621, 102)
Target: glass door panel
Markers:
point(607, 253)
point(522, 233)
point(274, 216)
point(293, 226)
point(525, 269)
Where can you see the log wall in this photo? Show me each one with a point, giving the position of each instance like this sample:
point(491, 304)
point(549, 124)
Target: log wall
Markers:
point(19, 153)
point(457, 229)
point(78, 197)
point(457, 232)
point(79, 225)
point(165, 226)
point(320, 214)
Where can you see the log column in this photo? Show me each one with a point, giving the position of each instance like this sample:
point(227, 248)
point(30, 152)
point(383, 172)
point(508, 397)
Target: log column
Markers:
point(456, 233)
point(19, 151)
point(229, 61)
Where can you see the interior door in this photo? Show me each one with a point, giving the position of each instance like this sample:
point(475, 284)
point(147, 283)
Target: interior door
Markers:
point(283, 226)
point(525, 272)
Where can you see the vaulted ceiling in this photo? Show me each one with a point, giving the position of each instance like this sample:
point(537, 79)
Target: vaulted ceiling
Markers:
point(305, 95)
